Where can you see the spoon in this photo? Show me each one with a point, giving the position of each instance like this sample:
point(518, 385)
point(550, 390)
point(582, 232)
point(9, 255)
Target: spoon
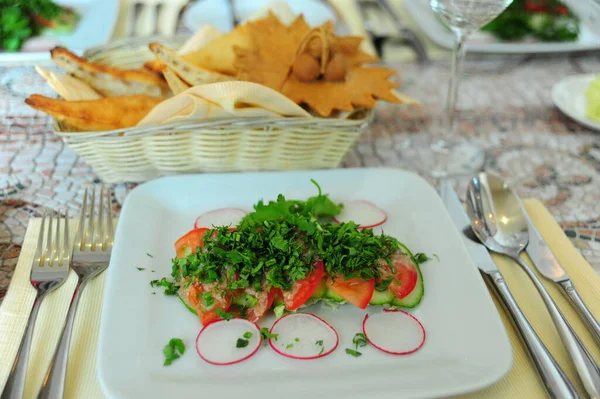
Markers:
point(498, 221)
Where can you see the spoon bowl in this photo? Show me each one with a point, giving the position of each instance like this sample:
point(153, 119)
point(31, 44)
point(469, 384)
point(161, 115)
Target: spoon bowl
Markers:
point(496, 215)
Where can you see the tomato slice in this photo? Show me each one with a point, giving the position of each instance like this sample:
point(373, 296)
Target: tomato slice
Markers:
point(187, 244)
point(207, 313)
point(265, 300)
point(303, 289)
point(354, 290)
point(403, 275)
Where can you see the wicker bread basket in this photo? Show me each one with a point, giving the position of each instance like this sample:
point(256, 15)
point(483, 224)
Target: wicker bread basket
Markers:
point(142, 153)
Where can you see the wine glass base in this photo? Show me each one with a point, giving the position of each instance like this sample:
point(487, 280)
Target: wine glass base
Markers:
point(441, 159)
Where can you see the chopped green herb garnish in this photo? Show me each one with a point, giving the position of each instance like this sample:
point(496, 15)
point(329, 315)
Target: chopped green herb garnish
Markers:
point(383, 285)
point(153, 293)
point(247, 335)
point(265, 334)
point(170, 287)
point(153, 270)
point(319, 342)
point(241, 343)
point(208, 299)
point(322, 350)
point(223, 314)
point(421, 258)
point(150, 256)
point(359, 340)
point(141, 268)
point(297, 339)
point(173, 350)
point(288, 346)
point(353, 352)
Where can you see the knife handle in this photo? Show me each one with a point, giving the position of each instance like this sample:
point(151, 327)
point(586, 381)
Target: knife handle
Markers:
point(554, 378)
point(572, 295)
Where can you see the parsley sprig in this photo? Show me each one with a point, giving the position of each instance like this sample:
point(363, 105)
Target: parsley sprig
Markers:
point(173, 350)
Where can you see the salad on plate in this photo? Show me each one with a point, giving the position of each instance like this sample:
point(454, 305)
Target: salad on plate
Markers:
point(234, 267)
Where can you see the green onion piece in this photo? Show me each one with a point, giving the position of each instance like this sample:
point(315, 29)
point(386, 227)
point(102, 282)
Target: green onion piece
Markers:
point(241, 343)
point(288, 346)
point(247, 335)
point(353, 352)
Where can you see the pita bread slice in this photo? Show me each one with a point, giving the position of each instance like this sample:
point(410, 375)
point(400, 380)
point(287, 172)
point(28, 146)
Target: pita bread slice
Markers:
point(190, 73)
point(110, 81)
point(96, 115)
point(66, 86)
point(175, 83)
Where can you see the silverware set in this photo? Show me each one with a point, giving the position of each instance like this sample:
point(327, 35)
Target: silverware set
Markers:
point(496, 219)
point(88, 257)
point(381, 23)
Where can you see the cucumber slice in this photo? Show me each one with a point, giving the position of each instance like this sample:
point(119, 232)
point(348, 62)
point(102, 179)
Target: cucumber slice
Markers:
point(320, 290)
point(329, 294)
point(187, 305)
point(381, 298)
point(415, 296)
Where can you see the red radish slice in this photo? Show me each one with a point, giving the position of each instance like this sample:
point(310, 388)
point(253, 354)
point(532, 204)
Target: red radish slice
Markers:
point(364, 213)
point(394, 331)
point(220, 217)
point(303, 336)
point(216, 342)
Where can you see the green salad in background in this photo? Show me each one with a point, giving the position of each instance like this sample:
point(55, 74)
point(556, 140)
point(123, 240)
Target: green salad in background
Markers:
point(545, 20)
point(22, 19)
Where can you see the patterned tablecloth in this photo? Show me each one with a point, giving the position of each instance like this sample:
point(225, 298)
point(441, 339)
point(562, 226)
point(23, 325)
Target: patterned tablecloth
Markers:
point(505, 108)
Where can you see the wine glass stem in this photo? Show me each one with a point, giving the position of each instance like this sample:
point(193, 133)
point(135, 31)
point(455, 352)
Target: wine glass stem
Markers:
point(456, 71)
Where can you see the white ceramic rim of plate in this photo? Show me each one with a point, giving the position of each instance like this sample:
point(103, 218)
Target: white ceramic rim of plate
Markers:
point(571, 87)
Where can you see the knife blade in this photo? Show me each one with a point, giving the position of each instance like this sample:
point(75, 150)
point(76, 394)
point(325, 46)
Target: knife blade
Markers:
point(546, 263)
point(542, 255)
point(461, 220)
point(554, 378)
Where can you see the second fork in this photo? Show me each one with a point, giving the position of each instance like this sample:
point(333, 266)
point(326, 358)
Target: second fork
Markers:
point(91, 254)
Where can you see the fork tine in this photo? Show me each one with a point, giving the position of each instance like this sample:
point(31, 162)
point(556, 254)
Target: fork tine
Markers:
point(79, 237)
point(49, 244)
point(40, 245)
point(101, 240)
point(65, 247)
point(109, 238)
point(90, 231)
point(57, 243)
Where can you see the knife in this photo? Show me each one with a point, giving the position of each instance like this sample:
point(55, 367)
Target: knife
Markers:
point(548, 266)
point(554, 378)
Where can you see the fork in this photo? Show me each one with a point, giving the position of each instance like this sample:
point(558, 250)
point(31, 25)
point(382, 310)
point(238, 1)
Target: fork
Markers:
point(91, 254)
point(49, 270)
point(382, 30)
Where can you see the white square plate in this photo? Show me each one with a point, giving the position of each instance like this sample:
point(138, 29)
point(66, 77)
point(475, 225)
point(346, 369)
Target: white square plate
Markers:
point(466, 349)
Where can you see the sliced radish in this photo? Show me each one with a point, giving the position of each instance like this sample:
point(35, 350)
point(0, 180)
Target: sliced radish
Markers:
point(364, 213)
point(394, 331)
point(216, 342)
point(303, 336)
point(220, 217)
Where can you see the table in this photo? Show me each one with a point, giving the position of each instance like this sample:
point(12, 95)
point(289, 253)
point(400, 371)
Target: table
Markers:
point(505, 108)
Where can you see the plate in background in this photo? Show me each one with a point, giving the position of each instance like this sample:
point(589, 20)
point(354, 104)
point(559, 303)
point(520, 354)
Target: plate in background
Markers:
point(568, 95)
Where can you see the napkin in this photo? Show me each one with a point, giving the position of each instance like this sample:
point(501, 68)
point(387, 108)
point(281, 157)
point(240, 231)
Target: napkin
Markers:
point(520, 382)
point(393, 50)
point(223, 100)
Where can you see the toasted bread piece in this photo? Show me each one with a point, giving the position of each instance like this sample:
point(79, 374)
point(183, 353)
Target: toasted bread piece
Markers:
point(155, 66)
point(67, 86)
point(95, 115)
point(175, 83)
point(110, 81)
point(218, 54)
point(190, 73)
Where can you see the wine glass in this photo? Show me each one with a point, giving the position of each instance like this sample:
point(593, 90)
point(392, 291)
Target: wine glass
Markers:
point(444, 153)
